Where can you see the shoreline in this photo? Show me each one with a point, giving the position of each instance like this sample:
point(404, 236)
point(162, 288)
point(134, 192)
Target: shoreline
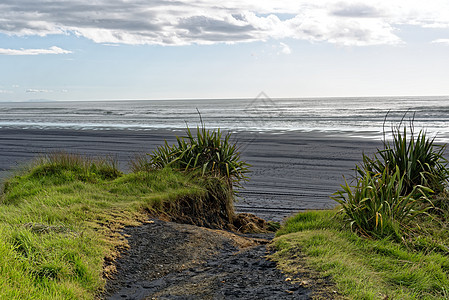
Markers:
point(291, 171)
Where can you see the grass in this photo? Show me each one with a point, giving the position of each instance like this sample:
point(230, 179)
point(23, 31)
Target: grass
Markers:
point(363, 268)
point(60, 219)
point(389, 238)
point(419, 160)
point(59, 223)
point(208, 153)
point(395, 186)
point(377, 205)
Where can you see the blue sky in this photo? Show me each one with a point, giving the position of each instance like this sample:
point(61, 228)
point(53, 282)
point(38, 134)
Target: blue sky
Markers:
point(134, 49)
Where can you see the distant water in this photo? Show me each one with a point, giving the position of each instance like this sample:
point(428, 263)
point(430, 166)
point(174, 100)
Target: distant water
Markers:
point(362, 117)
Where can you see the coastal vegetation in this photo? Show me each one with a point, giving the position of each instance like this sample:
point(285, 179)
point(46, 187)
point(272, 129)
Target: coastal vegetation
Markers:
point(317, 247)
point(60, 218)
point(208, 152)
point(419, 160)
point(388, 239)
point(60, 222)
point(395, 186)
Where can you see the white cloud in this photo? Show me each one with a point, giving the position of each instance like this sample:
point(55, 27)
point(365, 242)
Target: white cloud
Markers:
point(441, 41)
point(5, 92)
point(182, 22)
point(285, 49)
point(38, 91)
point(51, 50)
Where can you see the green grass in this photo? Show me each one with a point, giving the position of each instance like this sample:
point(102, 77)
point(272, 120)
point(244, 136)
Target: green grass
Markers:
point(420, 161)
point(395, 185)
point(59, 223)
point(377, 205)
point(366, 268)
point(208, 153)
point(389, 239)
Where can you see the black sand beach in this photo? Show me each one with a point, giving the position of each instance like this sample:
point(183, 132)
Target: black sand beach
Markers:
point(291, 171)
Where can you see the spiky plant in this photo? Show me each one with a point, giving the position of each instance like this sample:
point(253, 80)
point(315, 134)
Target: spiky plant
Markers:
point(377, 204)
point(419, 159)
point(209, 152)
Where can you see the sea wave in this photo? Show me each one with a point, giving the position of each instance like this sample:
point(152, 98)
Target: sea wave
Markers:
point(363, 117)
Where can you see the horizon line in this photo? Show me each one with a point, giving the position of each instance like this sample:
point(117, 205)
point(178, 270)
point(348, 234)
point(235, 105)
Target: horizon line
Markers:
point(260, 95)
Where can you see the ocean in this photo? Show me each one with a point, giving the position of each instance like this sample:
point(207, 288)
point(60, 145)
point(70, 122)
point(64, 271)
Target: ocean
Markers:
point(359, 117)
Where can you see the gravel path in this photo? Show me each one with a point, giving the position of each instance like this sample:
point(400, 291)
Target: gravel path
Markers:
point(177, 261)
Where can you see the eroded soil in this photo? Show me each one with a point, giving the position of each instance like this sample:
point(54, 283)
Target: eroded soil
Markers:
point(177, 261)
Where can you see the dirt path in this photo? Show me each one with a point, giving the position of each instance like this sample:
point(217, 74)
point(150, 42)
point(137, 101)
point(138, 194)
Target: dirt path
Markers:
point(177, 261)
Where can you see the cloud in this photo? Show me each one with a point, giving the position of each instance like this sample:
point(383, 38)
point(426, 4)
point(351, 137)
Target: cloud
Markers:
point(51, 50)
point(285, 49)
point(38, 91)
point(5, 92)
point(182, 22)
point(356, 10)
point(441, 41)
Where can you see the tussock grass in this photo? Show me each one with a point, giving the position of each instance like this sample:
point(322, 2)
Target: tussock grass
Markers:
point(59, 222)
point(364, 268)
point(377, 206)
point(209, 152)
point(420, 161)
point(395, 185)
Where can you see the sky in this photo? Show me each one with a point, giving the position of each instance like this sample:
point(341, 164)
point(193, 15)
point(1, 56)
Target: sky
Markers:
point(164, 49)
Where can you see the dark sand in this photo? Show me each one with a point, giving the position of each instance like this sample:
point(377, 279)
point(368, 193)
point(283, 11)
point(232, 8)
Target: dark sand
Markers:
point(178, 261)
point(291, 171)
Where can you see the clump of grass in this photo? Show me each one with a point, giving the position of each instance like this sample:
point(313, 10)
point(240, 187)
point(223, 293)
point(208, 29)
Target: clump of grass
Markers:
point(213, 209)
point(208, 153)
point(86, 168)
point(60, 168)
point(211, 159)
point(377, 205)
point(419, 159)
point(395, 185)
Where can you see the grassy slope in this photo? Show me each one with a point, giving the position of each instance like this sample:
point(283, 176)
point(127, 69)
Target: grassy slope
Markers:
point(363, 268)
point(57, 226)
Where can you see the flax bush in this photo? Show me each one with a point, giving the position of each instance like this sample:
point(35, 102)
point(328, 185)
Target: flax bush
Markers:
point(420, 160)
point(394, 186)
point(209, 153)
point(377, 205)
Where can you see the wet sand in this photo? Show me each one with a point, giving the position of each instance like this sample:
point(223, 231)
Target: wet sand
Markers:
point(291, 171)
